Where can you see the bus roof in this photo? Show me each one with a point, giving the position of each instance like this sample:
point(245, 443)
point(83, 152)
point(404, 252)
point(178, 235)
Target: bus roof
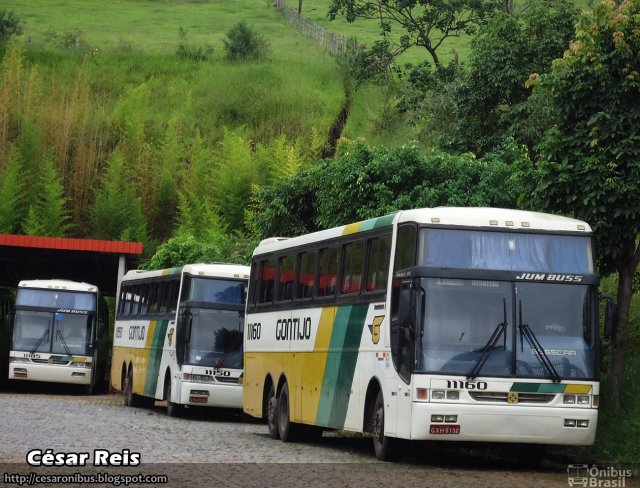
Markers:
point(218, 270)
point(477, 217)
point(58, 285)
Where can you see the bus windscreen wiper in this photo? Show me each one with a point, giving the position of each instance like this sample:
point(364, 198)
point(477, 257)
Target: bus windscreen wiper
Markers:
point(44, 334)
point(526, 332)
point(498, 332)
point(64, 343)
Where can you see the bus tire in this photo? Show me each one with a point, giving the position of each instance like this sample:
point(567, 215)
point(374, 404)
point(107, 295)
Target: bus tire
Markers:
point(130, 398)
point(127, 390)
point(287, 429)
point(382, 445)
point(173, 409)
point(272, 413)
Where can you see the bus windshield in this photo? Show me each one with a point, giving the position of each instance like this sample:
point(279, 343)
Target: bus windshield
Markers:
point(52, 332)
point(460, 317)
point(216, 338)
point(55, 299)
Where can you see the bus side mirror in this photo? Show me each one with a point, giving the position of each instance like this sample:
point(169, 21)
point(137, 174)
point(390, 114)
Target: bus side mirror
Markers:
point(404, 306)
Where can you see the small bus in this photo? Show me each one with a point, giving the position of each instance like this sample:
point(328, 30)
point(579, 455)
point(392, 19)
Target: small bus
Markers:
point(458, 324)
point(55, 331)
point(178, 336)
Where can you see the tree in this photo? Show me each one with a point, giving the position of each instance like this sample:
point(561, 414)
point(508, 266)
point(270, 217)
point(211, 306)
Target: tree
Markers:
point(589, 163)
point(181, 250)
point(244, 44)
point(367, 182)
point(491, 98)
point(11, 191)
point(117, 211)
point(424, 23)
point(47, 214)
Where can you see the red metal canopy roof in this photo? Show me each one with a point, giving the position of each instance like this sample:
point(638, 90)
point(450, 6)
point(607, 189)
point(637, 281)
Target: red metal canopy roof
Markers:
point(89, 260)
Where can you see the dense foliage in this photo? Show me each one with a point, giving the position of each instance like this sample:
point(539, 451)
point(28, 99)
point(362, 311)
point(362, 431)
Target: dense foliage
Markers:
point(590, 160)
point(366, 182)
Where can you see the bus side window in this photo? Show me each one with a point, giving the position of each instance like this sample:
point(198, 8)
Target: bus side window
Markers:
point(378, 263)
point(353, 264)
point(306, 282)
point(327, 282)
point(153, 297)
point(267, 280)
point(173, 296)
point(253, 285)
point(286, 277)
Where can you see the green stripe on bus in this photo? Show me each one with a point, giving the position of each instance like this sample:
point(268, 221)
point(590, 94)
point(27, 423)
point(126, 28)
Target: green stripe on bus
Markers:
point(377, 222)
point(538, 387)
point(153, 368)
point(385, 221)
point(341, 365)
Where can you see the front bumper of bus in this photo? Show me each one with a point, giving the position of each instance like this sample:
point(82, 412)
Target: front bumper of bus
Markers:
point(504, 423)
point(51, 373)
point(211, 395)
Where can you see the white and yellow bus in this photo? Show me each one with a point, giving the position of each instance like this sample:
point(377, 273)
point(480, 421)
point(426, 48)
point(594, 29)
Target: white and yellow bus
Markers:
point(178, 336)
point(55, 333)
point(466, 324)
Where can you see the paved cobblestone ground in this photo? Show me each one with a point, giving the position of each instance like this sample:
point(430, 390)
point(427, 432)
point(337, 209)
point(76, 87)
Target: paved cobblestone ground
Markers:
point(207, 448)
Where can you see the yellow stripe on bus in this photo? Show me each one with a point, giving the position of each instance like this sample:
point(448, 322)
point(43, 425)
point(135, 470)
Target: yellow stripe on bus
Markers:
point(141, 360)
point(310, 369)
point(577, 389)
point(351, 228)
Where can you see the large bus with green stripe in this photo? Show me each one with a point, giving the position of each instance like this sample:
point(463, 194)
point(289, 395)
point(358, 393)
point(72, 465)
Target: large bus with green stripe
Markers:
point(178, 336)
point(55, 332)
point(461, 324)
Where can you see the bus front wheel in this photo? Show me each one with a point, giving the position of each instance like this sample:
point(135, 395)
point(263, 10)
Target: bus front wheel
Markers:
point(173, 409)
point(382, 444)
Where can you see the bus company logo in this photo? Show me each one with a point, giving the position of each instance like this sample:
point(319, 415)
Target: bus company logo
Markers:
point(561, 278)
point(137, 332)
point(170, 335)
point(593, 476)
point(118, 332)
point(374, 327)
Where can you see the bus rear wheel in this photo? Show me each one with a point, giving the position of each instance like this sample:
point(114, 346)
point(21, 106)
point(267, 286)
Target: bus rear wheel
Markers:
point(272, 413)
point(382, 444)
point(287, 429)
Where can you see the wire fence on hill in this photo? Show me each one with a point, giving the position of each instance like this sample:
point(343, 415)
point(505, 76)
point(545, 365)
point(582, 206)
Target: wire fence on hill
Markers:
point(336, 44)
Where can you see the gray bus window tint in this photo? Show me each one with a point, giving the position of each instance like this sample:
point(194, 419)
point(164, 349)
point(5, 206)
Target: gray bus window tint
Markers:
point(307, 275)
point(353, 263)
point(286, 277)
point(56, 299)
point(267, 280)
point(163, 302)
point(173, 296)
point(153, 298)
point(327, 283)
point(378, 265)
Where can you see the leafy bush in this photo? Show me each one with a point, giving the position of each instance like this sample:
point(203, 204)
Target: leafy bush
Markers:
point(190, 51)
point(9, 25)
point(244, 44)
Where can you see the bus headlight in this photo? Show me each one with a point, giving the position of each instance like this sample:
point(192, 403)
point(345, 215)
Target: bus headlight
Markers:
point(437, 394)
point(197, 378)
point(569, 400)
point(583, 400)
point(80, 364)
